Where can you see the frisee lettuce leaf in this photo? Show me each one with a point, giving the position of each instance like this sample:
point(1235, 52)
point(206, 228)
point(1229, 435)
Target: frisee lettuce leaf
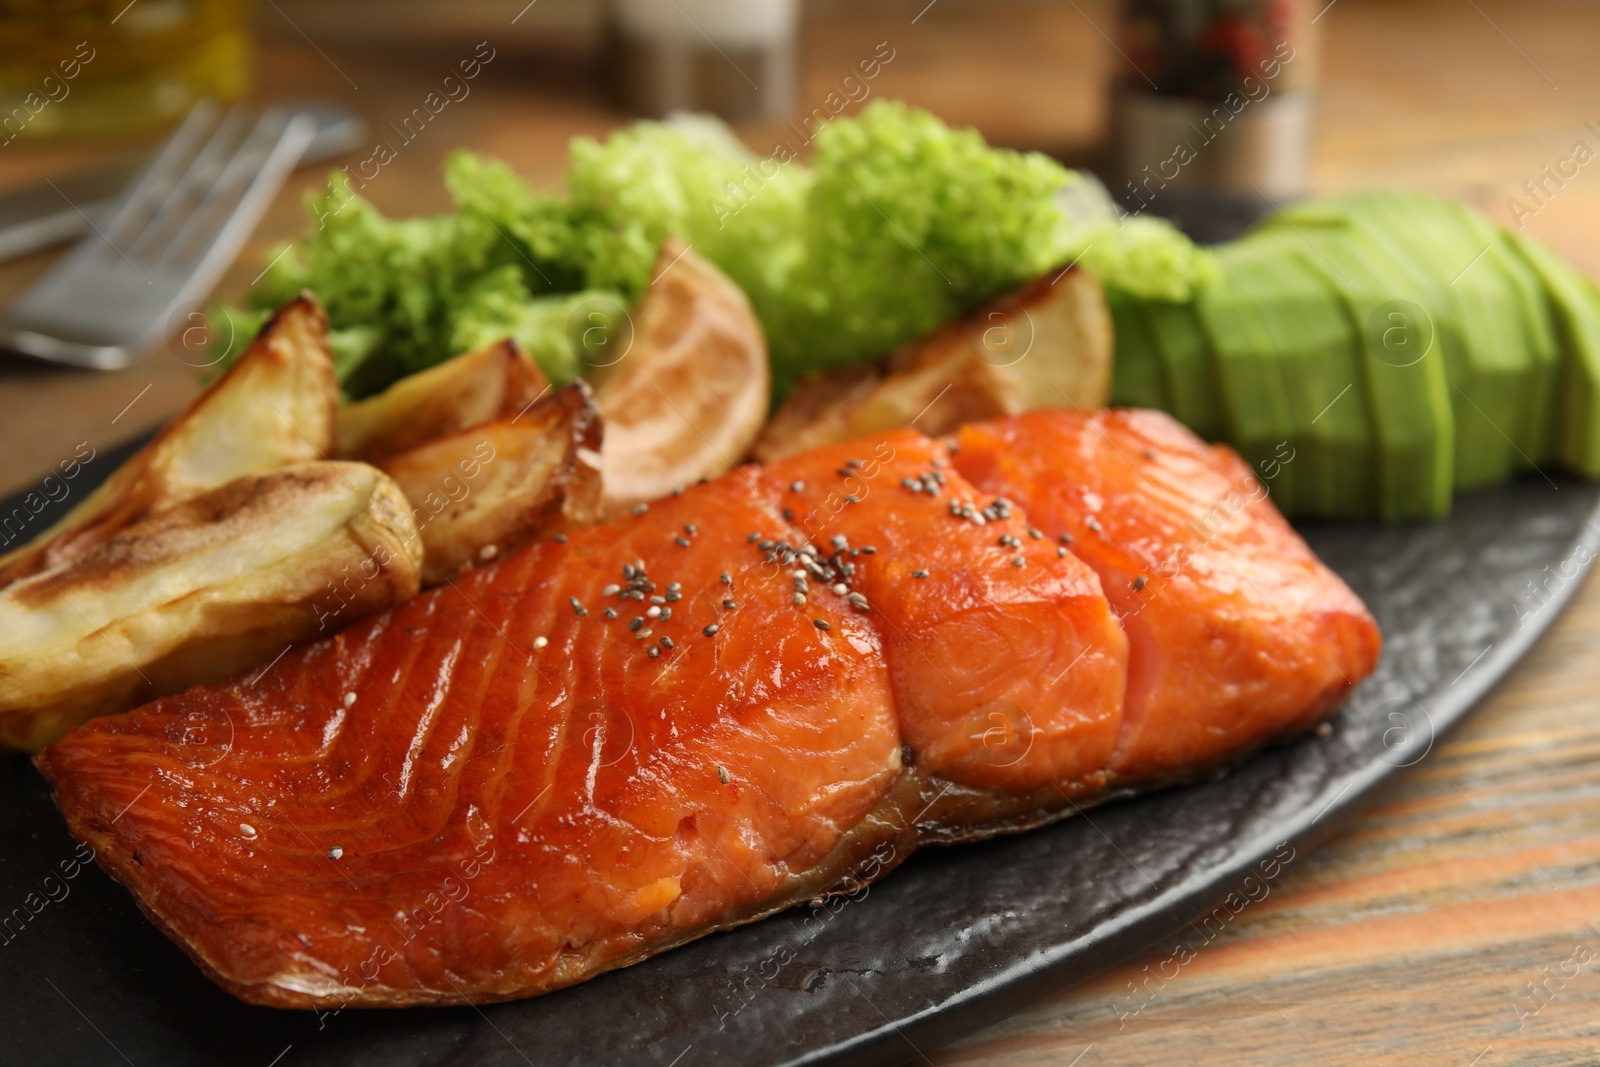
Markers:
point(1146, 257)
point(898, 223)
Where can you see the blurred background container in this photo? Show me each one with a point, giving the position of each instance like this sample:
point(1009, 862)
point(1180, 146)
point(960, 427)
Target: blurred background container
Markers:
point(86, 67)
point(1213, 95)
point(735, 58)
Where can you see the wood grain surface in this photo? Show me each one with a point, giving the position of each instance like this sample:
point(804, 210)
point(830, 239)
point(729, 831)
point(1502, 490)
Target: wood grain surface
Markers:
point(1457, 922)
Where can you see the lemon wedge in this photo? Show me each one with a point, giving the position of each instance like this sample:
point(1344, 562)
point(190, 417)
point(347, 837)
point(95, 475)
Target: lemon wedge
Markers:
point(688, 392)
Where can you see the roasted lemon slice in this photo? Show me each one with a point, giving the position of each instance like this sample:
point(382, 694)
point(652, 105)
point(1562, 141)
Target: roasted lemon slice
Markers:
point(688, 394)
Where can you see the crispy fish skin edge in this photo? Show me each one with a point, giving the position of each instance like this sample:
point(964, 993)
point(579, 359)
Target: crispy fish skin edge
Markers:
point(840, 872)
point(918, 810)
point(955, 814)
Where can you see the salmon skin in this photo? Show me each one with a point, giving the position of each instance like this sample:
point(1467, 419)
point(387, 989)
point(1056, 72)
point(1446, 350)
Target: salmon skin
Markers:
point(771, 687)
point(1238, 634)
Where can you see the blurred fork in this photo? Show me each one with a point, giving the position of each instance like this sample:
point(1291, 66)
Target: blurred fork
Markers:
point(166, 241)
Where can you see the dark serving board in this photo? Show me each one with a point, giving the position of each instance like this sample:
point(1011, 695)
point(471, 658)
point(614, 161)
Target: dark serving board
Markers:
point(955, 939)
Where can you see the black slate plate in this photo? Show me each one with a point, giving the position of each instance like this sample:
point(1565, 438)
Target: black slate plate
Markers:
point(953, 940)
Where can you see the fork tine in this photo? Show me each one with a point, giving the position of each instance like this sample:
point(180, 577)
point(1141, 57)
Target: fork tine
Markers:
point(160, 172)
point(227, 185)
point(198, 213)
point(189, 187)
point(270, 153)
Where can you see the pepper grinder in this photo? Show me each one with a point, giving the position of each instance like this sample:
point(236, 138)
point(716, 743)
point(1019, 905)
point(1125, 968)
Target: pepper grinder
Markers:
point(1213, 96)
point(733, 58)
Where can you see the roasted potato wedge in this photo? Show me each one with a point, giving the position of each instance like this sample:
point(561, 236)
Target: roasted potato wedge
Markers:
point(202, 590)
point(690, 396)
point(1049, 344)
point(493, 487)
point(470, 389)
point(273, 407)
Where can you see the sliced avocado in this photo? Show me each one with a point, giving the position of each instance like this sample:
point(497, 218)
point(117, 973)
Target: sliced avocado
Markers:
point(1476, 317)
point(1257, 413)
point(1186, 366)
point(1136, 372)
point(1534, 435)
point(1329, 390)
point(1575, 306)
point(1494, 375)
point(1303, 320)
point(1407, 387)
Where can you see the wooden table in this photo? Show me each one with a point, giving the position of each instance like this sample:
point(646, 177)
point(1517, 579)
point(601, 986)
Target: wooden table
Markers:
point(1415, 935)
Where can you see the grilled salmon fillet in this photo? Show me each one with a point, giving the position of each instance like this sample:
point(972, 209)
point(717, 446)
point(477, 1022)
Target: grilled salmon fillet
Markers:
point(497, 788)
point(771, 686)
point(1237, 632)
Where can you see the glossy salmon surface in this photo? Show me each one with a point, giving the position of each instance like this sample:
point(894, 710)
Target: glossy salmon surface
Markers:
point(1007, 663)
point(497, 789)
point(1237, 632)
point(715, 707)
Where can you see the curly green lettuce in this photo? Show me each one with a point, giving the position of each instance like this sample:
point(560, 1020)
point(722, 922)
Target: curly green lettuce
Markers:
point(1145, 256)
point(908, 223)
point(404, 294)
point(898, 223)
